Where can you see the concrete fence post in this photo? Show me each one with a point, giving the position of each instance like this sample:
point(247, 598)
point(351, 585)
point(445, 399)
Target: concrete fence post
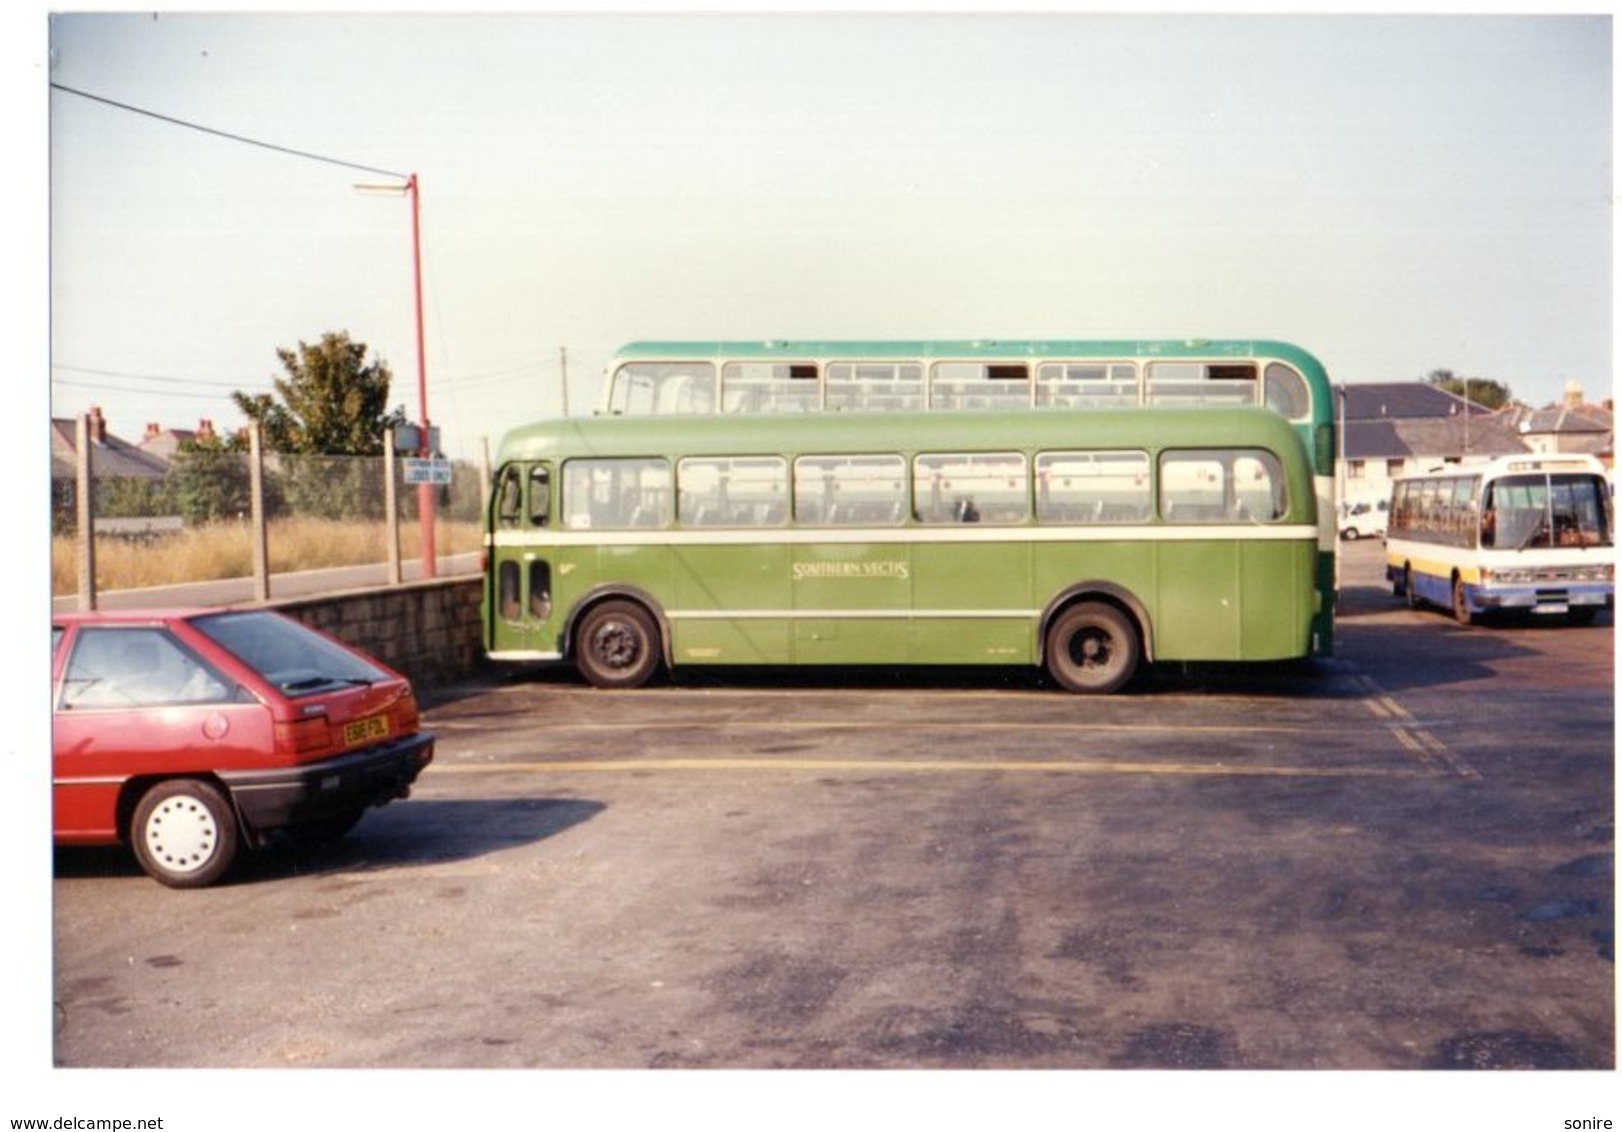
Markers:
point(85, 511)
point(261, 541)
point(391, 508)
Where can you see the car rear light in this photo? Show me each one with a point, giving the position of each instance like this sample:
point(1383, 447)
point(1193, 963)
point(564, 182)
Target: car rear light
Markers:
point(303, 736)
point(406, 714)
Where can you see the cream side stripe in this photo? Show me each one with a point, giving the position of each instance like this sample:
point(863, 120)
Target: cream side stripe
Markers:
point(908, 536)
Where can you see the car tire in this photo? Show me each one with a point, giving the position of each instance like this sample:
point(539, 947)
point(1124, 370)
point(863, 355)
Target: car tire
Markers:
point(184, 833)
point(1092, 648)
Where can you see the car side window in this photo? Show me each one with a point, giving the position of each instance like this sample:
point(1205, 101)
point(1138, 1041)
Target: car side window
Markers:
point(137, 667)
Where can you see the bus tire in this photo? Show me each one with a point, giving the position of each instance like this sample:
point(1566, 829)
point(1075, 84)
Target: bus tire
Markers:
point(617, 645)
point(1461, 603)
point(1414, 600)
point(1092, 648)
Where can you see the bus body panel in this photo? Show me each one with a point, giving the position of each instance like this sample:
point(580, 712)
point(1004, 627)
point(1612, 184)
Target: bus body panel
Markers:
point(909, 591)
point(740, 622)
point(887, 604)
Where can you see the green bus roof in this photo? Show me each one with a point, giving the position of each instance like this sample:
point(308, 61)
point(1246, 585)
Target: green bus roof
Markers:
point(968, 349)
point(793, 434)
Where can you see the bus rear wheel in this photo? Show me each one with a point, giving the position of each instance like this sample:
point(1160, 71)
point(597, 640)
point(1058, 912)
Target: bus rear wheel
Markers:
point(1092, 648)
point(617, 645)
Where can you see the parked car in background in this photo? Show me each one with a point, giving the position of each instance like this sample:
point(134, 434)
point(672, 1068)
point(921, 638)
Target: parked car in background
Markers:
point(1363, 520)
point(192, 734)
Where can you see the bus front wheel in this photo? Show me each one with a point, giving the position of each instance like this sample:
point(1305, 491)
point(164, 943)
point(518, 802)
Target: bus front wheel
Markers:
point(617, 645)
point(1092, 648)
point(1412, 594)
point(1461, 602)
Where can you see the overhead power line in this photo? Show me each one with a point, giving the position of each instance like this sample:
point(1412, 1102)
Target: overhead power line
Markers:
point(168, 379)
point(227, 135)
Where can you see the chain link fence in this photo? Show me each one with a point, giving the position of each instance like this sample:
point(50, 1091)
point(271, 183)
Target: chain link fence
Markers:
point(197, 519)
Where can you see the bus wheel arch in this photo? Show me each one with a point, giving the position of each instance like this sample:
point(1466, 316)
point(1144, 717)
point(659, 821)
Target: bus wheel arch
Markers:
point(618, 638)
point(1094, 638)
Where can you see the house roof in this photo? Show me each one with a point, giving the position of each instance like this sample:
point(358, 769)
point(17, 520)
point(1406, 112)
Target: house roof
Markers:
point(1567, 419)
point(1397, 400)
point(1396, 420)
point(110, 457)
point(165, 442)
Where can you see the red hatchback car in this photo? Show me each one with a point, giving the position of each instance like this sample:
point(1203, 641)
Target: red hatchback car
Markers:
point(188, 734)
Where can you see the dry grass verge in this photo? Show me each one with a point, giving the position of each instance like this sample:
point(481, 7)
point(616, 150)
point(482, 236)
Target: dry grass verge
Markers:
point(225, 550)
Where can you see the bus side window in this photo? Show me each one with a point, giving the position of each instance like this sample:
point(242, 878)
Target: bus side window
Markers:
point(1201, 383)
point(508, 497)
point(1285, 392)
point(507, 589)
point(1222, 486)
point(850, 491)
point(989, 487)
point(1092, 487)
point(540, 495)
point(732, 491)
point(616, 493)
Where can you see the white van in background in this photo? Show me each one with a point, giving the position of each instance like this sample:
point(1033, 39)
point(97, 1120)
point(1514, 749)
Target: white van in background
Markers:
point(1363, 520)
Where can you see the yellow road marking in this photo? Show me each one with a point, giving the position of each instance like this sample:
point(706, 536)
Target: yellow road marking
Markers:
point(1408, 731)
point(1413, 738)
point(884, 766)
point(892, 726)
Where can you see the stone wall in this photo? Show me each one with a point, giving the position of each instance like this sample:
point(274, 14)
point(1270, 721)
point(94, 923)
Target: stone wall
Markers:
point(428, 630)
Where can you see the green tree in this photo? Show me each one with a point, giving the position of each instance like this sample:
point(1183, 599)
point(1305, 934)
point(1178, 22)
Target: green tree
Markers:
point(1477, 390)
point(331, 403)
point(209, 481)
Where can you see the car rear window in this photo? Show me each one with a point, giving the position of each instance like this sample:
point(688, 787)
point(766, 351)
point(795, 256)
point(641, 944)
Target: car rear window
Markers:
point(294, 659)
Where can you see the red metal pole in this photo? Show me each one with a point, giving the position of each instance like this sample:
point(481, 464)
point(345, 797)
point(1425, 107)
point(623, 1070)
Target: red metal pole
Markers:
point(425, 491)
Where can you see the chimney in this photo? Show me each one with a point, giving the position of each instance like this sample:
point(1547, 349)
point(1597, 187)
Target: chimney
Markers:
point(205, 430)
point(1574, 394)
point(98, 426)
point(152, 430)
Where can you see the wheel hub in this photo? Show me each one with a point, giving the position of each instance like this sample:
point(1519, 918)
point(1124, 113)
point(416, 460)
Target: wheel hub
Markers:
point(182, 834)
point(616, 645)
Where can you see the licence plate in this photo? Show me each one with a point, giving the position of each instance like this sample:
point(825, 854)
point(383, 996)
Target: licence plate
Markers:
point(365, 730)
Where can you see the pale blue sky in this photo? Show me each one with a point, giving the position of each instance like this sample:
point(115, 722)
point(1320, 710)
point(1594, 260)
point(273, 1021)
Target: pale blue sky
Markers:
point(1396, 194)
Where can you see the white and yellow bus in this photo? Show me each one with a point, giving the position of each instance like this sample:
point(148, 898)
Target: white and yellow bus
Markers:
point(1530, 533)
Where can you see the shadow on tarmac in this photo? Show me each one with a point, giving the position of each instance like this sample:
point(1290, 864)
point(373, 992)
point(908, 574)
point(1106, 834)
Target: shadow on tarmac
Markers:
point(411, 834)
